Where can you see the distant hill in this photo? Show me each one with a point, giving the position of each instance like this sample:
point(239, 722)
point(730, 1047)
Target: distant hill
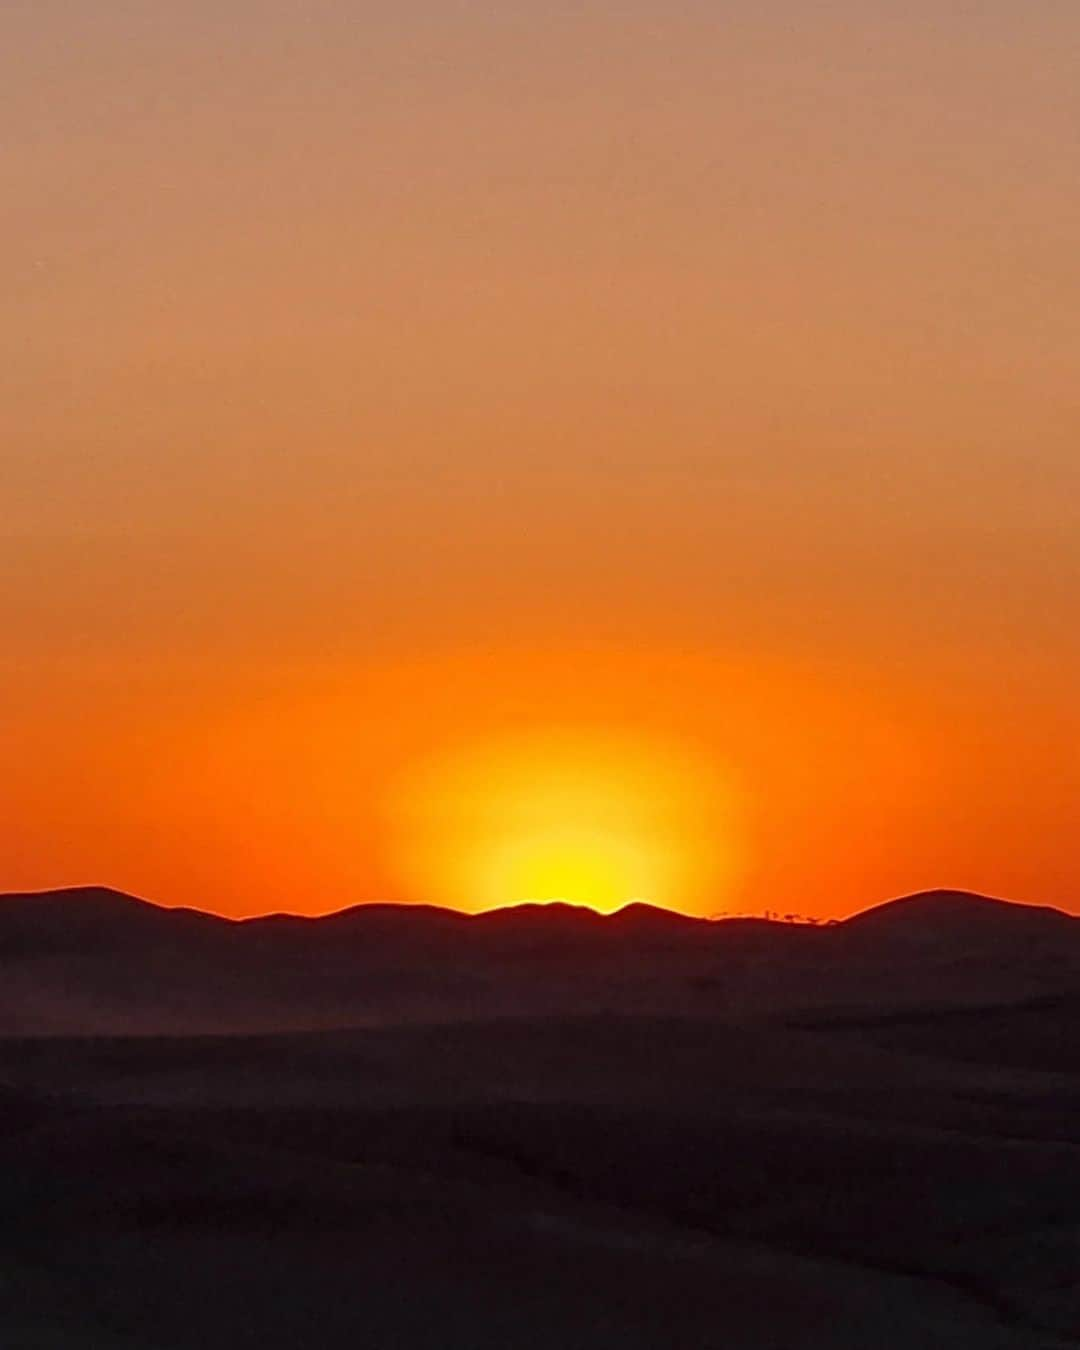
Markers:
point(97, 961)
point(50, 921)
point(957, 912)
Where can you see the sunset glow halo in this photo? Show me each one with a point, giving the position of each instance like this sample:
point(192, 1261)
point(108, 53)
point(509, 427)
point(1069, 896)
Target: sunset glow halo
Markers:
point(598, 820)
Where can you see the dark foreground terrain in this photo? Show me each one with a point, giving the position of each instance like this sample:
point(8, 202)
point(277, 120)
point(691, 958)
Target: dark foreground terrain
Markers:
point(755, 1138)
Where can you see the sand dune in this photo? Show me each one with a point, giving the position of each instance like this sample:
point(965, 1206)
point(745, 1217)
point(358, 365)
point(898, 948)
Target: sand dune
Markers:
point(97, 961)
point(629, 1156)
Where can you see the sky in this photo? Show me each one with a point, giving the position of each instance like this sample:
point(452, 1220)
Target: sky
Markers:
point(472, 453)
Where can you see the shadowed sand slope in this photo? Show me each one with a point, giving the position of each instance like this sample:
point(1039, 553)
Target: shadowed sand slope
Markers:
point(955, 915)
point(540, 1184)
point(97, 961)
point(413, 1130)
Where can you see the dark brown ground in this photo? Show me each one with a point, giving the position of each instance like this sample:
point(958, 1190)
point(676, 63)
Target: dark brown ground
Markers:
point(827, 1175)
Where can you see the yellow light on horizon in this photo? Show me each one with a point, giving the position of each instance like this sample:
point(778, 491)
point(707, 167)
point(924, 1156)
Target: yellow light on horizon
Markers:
point(585, 818)
point(578, 866)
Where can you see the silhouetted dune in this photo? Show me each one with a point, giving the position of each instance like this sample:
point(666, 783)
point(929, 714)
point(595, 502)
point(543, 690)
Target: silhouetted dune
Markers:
point(642, 918)
point(606, 1182)
point(97, 961)
point(1040, 1033)
point(73, 918)
point(369, 919)
point(949, 915)
point(538, 1127)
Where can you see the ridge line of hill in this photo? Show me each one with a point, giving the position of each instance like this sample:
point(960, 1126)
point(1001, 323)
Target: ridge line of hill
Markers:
point(933, 905)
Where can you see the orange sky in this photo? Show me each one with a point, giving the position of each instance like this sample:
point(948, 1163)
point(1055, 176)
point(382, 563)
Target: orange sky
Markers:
point(452, 450)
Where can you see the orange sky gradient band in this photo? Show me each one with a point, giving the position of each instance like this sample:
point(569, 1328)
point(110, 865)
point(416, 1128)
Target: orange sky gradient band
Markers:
point(416, 417)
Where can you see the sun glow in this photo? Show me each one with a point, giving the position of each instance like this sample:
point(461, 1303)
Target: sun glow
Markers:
point(591, 820)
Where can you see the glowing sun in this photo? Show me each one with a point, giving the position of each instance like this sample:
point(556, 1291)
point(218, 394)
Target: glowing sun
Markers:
point(594, 820)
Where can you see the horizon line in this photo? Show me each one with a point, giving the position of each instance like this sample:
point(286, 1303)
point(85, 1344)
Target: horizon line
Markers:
point(788, 918)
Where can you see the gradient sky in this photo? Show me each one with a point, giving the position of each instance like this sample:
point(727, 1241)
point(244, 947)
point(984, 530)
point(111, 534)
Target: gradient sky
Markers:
point(456, 450)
